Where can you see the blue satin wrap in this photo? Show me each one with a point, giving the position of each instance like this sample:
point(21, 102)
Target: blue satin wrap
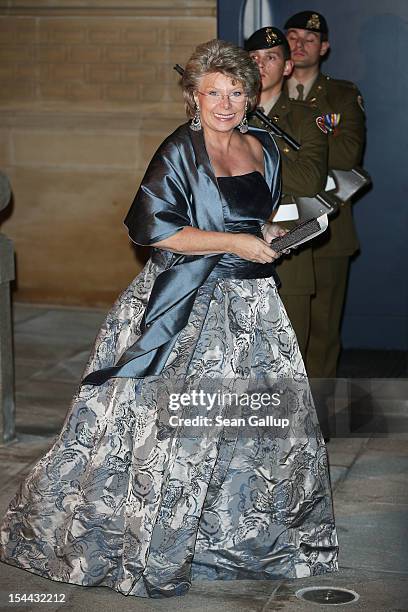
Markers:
point(178, 190)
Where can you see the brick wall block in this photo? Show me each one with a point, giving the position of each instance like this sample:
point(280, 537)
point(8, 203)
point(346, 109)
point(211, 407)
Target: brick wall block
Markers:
point(84, 92)
point(52, 92)
point(18, 91)
point(149, 144)
point(7, 31)
point(160, 92)
point(15, 53)
point(18, 31)
point(139, 72)
point(66, 72)
point(85, 54)
point(61, 148)
point(166, 55)
point(122, 93)
point(103, 73)
point(105, 34)
point(51, 53)
point(5, 149)
point(7, 72)
point(53, 31)
point(27, 71)
point(122, 53)
point(141, 34)
point(191, 31)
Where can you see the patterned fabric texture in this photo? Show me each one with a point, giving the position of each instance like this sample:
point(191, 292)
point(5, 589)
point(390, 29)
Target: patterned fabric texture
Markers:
point(123, 500)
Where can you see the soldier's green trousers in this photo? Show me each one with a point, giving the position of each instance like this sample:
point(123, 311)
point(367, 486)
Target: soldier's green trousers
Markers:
point(326, 309)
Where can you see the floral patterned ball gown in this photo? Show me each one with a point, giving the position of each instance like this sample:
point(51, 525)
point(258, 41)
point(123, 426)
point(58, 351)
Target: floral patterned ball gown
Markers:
point(124, 500)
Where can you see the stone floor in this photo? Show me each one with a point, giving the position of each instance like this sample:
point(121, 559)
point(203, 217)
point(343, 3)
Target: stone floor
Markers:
point(369, 476)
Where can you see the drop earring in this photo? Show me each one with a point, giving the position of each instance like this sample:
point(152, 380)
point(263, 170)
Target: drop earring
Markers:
point(195, 124)
point(243, 126)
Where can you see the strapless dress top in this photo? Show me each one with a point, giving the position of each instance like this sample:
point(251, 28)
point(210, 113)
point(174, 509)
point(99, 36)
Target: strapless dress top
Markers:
point(247, 205)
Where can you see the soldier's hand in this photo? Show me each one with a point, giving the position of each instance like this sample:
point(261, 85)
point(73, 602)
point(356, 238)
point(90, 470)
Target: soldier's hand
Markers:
point(273, 230)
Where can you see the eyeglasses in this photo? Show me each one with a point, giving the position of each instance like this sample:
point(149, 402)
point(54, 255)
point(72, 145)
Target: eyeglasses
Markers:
point(236, 97)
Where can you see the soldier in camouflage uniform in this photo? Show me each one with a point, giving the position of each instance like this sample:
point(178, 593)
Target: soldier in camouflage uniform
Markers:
point(304, 172)
point(340, 107)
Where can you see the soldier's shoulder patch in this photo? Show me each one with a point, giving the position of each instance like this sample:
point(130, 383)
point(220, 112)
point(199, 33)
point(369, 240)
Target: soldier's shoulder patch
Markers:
point(360, 102)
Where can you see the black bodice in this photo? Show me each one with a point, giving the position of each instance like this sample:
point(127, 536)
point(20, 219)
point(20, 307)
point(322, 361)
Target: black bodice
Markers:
point(248, 204)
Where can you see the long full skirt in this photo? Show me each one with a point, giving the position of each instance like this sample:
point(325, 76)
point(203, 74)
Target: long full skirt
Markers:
point(126, 500)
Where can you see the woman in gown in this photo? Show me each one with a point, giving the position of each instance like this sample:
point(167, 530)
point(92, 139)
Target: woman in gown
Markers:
point(126, 497)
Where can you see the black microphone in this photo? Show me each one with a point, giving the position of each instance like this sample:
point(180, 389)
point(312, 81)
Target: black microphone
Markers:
point(276, 129)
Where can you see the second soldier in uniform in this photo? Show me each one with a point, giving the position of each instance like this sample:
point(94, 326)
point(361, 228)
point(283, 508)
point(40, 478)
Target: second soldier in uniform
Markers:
point(340, 107)
point(304, 172)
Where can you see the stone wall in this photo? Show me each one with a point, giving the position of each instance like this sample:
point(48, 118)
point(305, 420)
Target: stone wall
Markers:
point(87, 92)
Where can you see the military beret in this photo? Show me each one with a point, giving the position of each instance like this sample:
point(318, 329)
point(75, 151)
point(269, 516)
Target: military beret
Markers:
point(308, 20)
point(266, 38)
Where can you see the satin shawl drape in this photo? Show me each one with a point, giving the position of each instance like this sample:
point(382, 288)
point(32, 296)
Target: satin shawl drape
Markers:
point(178, 190)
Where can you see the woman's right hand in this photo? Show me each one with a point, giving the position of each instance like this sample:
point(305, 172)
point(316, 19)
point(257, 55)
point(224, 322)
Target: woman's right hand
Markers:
point(252, 248)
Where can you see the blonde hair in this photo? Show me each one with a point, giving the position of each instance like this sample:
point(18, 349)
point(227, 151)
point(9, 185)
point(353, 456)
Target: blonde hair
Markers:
point(226, 58)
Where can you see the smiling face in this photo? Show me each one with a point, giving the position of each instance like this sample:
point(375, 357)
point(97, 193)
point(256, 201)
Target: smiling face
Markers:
point(272, 67)
point(221, 101)
point(306, 47)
